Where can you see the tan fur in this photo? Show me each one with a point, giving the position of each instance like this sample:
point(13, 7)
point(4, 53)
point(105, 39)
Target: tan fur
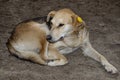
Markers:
point(29, 40)
point(74, 35)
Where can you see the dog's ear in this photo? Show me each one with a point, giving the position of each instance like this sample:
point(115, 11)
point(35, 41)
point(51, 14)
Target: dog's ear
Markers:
point(78, 23)
point(50, 15)
point(76, 20)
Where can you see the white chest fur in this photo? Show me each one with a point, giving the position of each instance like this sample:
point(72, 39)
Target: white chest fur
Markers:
point(66, 50)
point(67, 46)
point(71, 43)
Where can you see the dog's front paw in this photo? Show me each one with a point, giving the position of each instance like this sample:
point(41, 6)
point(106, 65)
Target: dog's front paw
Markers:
point(110, 68)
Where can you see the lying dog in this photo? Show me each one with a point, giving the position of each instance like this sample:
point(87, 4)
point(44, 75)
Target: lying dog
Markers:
point(67, 33)
point(28, 41)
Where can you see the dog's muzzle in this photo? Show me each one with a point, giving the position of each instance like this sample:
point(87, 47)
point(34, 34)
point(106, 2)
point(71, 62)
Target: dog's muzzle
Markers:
point(49, 39)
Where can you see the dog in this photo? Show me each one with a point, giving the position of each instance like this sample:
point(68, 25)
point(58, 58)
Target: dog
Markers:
point(67, 32)
point(28, 41)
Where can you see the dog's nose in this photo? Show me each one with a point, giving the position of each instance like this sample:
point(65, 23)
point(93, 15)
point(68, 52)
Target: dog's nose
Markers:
point(49, 37)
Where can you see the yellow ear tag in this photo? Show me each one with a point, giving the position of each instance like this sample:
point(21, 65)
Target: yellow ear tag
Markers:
point(79, 19)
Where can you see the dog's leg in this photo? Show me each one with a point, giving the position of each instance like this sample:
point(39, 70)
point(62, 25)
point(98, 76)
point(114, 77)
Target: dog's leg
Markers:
point(91, 52)
point(56, 58)
point(29, 55)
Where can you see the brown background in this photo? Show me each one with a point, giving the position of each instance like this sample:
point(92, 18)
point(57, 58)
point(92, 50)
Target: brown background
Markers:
point(103, 19)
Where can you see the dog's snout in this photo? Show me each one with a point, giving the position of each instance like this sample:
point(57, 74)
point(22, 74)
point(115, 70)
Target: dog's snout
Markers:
point(49, 37)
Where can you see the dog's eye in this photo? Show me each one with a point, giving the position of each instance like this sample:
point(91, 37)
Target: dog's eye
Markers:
point(60, 25)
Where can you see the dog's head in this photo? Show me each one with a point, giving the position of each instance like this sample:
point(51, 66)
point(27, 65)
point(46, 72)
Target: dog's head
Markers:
point(63, 23)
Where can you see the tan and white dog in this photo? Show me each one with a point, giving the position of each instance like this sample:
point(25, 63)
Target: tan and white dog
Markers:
point(68, 32)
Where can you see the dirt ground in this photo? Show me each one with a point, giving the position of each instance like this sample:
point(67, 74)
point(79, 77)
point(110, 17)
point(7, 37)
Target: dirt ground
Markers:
point(103, 19)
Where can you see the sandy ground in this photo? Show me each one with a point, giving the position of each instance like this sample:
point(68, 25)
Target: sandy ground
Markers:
point(103, 19)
